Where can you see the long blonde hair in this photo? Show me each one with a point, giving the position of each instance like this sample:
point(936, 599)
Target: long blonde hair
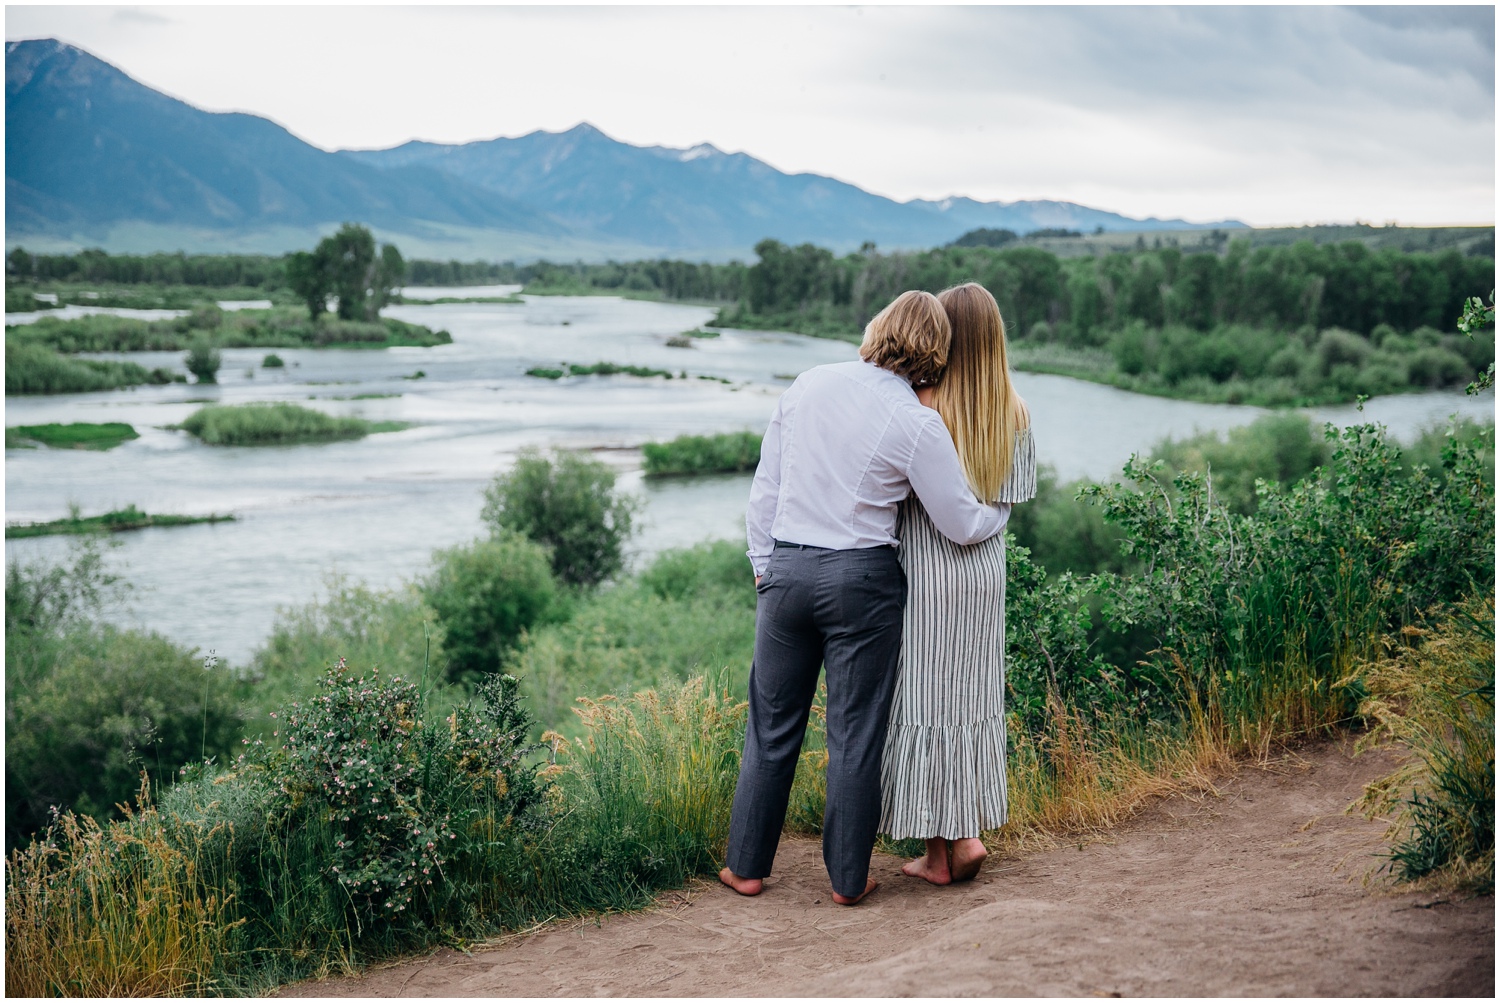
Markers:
point(976, 399)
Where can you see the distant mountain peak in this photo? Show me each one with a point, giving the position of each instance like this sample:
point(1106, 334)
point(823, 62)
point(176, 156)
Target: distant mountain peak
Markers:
point(699, 152)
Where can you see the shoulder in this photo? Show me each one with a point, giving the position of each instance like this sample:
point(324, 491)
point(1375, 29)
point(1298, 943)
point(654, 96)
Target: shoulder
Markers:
point(862, 379)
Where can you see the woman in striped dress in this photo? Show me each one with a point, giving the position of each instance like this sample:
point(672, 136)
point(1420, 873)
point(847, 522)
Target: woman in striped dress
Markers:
point(943, 776)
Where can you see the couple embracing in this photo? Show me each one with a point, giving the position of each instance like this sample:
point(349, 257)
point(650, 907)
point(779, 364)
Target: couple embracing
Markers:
point(876, 535)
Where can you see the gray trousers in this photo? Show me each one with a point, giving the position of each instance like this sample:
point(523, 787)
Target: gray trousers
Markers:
point(840, 609)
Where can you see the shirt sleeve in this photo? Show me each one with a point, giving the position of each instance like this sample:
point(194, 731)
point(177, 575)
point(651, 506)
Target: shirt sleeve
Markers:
point(764, 490)
point(938, 480)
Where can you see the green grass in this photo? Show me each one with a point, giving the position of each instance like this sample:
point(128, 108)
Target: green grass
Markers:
point(702, 454)
point(278, 424)
point(78, 435)
point(110, 522)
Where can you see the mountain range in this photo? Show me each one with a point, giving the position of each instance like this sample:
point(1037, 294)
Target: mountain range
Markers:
point(95, 158)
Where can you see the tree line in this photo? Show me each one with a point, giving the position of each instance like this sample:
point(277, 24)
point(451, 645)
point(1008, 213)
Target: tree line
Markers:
point(1076, 301)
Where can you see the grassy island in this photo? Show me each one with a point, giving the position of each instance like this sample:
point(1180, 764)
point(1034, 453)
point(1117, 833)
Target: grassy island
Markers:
point(597, 369)
point(279, 327)
point(117, 521)
point(729, 452)
point(278, 424)
point(77, 435)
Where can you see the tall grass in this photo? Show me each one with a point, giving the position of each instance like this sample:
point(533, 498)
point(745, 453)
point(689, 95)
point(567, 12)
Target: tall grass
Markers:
point(37, 369)
point(114, 910)
point(1434, 693)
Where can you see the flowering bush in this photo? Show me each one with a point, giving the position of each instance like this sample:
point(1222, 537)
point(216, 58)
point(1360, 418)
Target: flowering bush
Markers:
point(395, 792)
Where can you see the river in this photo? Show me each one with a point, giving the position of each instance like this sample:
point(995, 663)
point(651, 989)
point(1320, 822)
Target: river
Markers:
point(376, 508)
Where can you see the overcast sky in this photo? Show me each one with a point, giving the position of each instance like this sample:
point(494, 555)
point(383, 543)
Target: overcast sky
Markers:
point(1271, 115)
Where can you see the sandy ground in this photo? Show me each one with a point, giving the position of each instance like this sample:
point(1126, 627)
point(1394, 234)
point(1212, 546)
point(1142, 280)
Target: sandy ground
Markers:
point(1255, 892)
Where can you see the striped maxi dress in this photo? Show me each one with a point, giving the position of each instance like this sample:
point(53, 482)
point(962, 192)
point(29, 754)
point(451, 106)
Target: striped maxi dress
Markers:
point(944, 768)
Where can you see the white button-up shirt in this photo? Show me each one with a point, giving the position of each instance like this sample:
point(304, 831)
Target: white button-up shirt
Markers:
point(846, 445)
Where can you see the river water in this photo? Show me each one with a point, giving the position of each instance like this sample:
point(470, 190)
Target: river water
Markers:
point(375, 509)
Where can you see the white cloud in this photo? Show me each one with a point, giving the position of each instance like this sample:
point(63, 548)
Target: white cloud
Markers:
point(1269, 114)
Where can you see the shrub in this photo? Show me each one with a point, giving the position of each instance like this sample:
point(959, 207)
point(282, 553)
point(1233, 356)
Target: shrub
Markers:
point(35, 369)
point(89, 706)
point(1279, 448)
point(203, 360)
point(702, 454)
point(1436, 367)
point(485, 595)
point(719, 567)
point(273, 361)
point(567, 503)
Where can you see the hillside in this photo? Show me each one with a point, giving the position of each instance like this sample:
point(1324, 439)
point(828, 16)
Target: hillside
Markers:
point(96, 158)
point(87, 147)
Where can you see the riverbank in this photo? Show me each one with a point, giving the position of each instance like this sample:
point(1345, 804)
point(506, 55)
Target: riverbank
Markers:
point(1253, 887)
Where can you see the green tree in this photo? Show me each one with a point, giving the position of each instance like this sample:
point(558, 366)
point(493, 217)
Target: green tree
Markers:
point(203, 360)
point(390, 274)
point(568, 503)
point(345, 265)
point(307, 275)
point(351, 263)
point(485, 594)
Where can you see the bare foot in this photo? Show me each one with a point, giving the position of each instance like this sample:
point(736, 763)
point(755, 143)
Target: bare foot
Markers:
point(968, 857)
point(870, 885)
point(933, 866)
point(745, 886)
point(928, 869)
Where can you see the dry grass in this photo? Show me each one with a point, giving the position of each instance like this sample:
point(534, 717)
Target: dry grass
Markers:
point(1433, 695)
point(111, 911)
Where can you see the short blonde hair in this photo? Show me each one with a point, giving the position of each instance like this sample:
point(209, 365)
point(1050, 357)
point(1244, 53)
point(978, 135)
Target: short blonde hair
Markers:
point(976, 399)
point(910, 337)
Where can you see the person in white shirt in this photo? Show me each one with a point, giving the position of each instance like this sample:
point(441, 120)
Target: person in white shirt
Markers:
point(846, 445)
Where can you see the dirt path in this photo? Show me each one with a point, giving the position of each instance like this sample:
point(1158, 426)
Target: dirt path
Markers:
point(1255, 892)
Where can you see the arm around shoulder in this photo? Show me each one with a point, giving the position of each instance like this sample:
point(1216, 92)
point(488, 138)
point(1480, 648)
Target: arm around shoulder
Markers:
point(938, 480)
